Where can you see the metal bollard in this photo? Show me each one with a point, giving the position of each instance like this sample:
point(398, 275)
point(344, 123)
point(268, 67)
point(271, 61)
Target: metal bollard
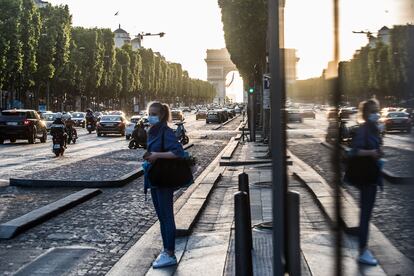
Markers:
point(244, 265)
point(293, 259)
point(244, 187)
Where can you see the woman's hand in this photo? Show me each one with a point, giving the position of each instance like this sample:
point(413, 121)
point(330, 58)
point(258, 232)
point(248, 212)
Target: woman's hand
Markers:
point(151, 157)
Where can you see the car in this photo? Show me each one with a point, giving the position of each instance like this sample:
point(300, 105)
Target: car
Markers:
point(22, 124)
point(396, 120)
point(111, 124)
point(294, 116)
point(79, 119)
point(347, 112)
point(177, 115)
point(131, 126)
point(48, 118)
point(308, 114)
point(201, 114)
point(213, 116)
point(185, 109)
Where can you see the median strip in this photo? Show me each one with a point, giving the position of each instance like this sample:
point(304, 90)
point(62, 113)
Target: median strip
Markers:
point(18, 225)
point(109, 183)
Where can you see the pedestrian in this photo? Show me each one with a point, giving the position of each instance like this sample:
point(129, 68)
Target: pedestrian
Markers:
point(367, 144)
point(161, 136)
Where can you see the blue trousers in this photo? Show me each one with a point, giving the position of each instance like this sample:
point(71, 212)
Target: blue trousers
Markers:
point(368, 194)
point(163, 203)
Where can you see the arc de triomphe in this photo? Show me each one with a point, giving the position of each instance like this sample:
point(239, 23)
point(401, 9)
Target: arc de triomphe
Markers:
point(219, 65)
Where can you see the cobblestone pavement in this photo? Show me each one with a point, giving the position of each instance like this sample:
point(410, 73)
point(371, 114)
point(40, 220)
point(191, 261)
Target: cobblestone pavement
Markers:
point(394, 210)
point(110, 223)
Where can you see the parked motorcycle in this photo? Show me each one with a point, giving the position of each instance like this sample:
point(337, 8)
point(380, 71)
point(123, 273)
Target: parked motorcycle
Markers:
point(180, 133)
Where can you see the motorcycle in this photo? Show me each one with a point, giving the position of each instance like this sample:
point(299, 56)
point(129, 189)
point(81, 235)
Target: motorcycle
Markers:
point(71, 135)
point(180, 133)
point(91, 126)
point(58, 140)
point(139, 136)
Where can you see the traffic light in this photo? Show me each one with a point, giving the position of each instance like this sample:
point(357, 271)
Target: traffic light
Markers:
point(251, 87)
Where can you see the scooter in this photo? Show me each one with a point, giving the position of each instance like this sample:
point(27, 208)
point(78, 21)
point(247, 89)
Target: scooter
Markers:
point(58, 141)
point(91, 126)
point(139, 136)
point(72, 135)
point(180, 133)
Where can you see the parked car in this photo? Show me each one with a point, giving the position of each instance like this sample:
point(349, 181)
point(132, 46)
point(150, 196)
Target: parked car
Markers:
point(213, 116)
point(177, 115)
point(111, 124)
point(224, 115)
point(131, 126)
point(48, 118)
point(186, 109)
point(396, 121)
point(201, 114)
point(308, 114)
point(79, 119)
point(22, 124)
point(294, 116)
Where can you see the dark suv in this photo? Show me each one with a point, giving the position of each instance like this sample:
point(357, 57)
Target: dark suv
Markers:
point(22, 124)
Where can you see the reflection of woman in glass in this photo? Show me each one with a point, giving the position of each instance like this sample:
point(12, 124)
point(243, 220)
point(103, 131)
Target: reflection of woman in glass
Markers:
point(367, 142)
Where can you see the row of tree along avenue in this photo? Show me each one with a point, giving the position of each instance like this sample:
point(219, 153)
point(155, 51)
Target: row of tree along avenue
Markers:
point(45, 62)
point(384, 67)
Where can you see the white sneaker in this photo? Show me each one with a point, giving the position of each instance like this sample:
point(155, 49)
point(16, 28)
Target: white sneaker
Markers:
point(163, 260)
point(367, 258)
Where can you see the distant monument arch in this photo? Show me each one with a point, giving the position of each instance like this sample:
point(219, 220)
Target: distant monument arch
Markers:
point(219, 65)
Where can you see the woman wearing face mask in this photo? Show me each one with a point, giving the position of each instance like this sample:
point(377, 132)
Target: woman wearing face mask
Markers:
point(159, 135)
point(367, 142)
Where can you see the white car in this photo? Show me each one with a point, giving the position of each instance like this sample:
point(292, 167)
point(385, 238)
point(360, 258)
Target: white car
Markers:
point(131, 126)
point(48, 118)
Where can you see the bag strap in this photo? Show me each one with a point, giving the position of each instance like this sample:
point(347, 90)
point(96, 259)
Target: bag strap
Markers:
point(162, 140)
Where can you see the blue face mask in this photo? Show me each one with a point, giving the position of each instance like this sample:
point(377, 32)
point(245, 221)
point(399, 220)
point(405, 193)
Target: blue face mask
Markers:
point(153, 120)
point(374, 117)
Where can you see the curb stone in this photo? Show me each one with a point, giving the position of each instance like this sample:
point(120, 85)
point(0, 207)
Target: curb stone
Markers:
point(112, 183)
point(225, 123)
point(233, 144)
point(18, 225)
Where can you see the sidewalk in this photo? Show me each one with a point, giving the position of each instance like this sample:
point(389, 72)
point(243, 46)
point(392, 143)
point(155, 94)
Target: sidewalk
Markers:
point(210, 248)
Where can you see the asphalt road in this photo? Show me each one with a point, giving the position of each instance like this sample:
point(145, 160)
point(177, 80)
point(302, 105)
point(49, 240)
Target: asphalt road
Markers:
point(20, 158)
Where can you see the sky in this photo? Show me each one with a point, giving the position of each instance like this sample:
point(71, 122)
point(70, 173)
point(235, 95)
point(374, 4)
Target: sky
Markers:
point(193, 26)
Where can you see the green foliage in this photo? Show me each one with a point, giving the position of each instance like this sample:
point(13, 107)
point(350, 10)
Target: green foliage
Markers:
point(386, 71)
point(245, 26)
point(41, 53)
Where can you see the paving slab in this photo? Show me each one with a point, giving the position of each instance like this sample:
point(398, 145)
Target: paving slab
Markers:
point(205, 255)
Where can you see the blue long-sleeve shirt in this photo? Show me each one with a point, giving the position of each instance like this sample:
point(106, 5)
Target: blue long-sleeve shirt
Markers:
point(368, 138)
point(154, 144)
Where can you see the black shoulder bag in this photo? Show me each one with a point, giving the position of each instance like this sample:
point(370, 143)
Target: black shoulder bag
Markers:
point(362, 170)
point(170, 173)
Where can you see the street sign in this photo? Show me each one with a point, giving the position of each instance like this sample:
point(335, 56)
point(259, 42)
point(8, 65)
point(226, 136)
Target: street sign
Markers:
point(266, 93)
point(42, 107)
